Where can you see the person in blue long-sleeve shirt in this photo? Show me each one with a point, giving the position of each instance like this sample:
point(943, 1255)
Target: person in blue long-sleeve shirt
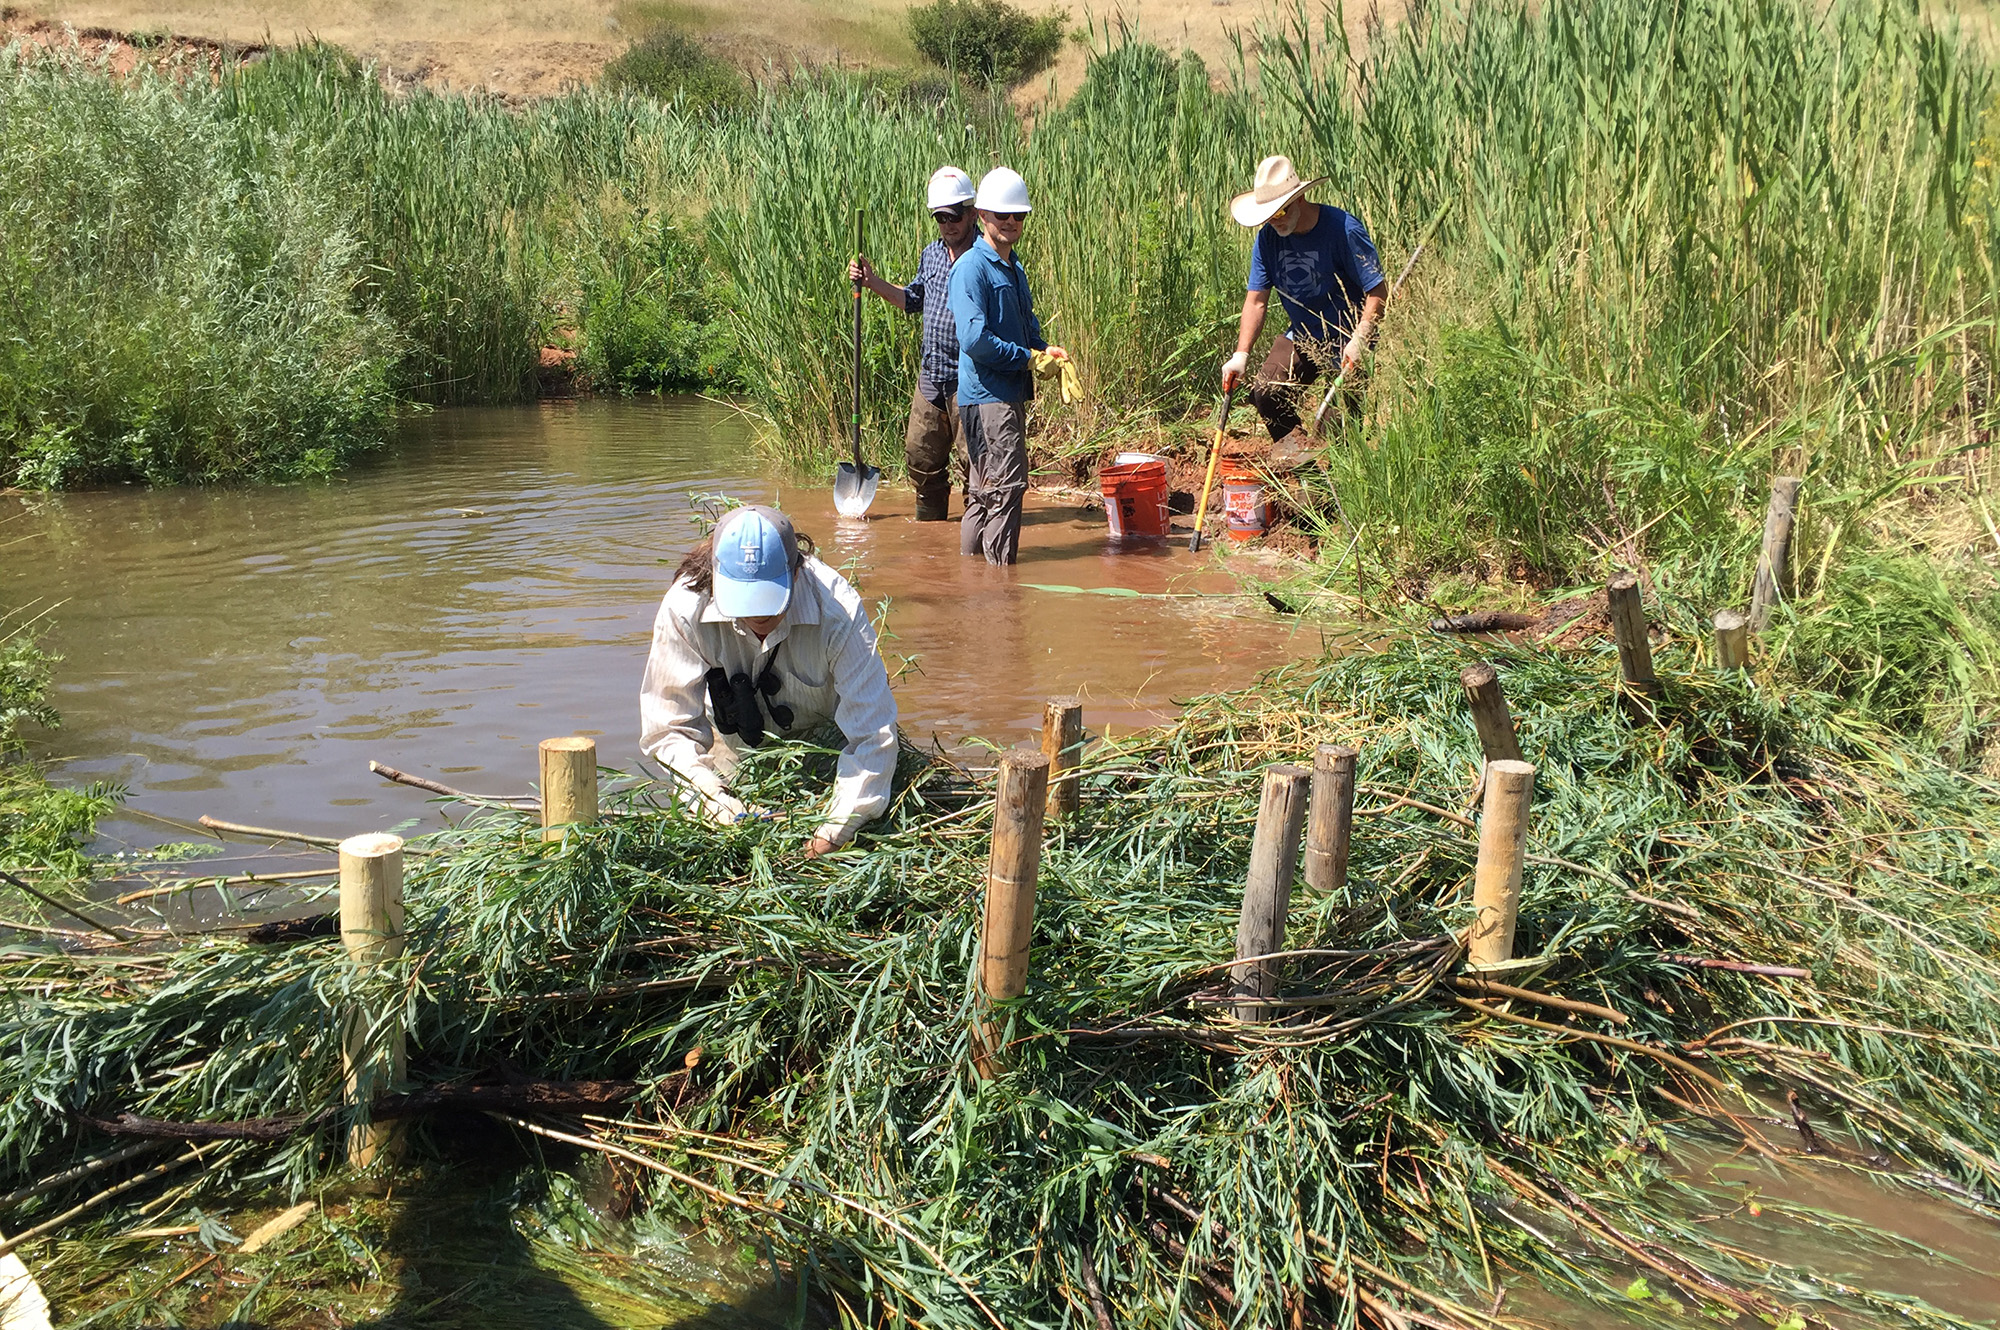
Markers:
point(998, 336)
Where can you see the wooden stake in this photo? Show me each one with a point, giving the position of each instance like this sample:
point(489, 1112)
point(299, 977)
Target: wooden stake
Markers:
point(1062, 745)
point(1011, 869)
point(1489, 713)
point(1496, 881)
point(1774, 559)
point(1330, 825)
point(1267, 894)
point(371, 924)
point(1732, 641)
point(569, 784)
point(1628, 625)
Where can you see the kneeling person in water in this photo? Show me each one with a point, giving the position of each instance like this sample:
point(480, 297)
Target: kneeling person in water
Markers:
point(758, 638)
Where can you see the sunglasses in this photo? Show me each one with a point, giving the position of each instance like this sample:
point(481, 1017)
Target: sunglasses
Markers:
point(948, 215)
point(1283, 212)
point(1010, 216)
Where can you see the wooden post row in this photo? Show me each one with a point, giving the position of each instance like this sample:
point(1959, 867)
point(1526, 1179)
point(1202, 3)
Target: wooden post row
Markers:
point(1062, 744)
point(1330, 824)
point(569, 783)
point(371, 926)
point(1489, 713)
point(1267, 895)
point(1496, 880)
point(1011, 870)
point(1628, 625)
point(1774, 559)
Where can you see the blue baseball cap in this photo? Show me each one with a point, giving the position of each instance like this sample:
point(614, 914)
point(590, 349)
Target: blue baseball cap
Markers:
point(755, 549)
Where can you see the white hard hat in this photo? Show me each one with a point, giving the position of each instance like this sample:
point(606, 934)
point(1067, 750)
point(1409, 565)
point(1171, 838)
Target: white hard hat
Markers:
point(1002, 190)
point(949, 188)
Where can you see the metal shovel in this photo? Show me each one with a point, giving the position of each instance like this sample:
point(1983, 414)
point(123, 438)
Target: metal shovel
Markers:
point(855, 483)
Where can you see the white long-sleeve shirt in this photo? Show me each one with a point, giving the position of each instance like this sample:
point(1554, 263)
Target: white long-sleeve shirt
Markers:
point(829, 668)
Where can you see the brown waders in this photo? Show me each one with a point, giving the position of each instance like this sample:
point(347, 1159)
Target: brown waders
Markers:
point(933, 442)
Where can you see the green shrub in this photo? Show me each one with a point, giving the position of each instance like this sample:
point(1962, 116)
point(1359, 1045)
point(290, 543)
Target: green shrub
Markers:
point(989, 40)
point(670, 65)
point(652, 313)
point(24, 685)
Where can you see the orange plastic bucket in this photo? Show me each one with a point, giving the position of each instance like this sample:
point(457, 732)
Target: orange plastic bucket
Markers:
point(1135, 496)
point(1246, 503)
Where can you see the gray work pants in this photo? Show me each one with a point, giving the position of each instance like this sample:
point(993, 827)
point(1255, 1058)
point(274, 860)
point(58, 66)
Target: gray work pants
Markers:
point(996, 434)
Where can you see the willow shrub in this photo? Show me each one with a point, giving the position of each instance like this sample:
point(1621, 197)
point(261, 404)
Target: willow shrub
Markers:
point(175, 303)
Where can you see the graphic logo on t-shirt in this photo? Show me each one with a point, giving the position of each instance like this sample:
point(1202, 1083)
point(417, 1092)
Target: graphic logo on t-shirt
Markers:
point(1299, 274)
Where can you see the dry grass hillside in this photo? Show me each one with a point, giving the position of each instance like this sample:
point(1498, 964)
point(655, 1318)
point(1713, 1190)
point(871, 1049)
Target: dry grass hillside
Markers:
point(533, 50)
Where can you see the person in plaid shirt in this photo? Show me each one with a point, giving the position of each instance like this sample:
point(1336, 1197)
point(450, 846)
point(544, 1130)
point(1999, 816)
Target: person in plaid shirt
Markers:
point(934, 437)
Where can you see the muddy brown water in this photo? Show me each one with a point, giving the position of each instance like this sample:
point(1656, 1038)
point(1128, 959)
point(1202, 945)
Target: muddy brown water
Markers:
point(492, 582)
point(245, 653)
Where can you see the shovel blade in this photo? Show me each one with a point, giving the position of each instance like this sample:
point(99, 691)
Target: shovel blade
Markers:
point(854, 488)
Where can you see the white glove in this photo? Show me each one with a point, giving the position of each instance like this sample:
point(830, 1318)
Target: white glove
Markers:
point(1234, 368)
point(1357, 346)
point(725, 809)
point(700, 791)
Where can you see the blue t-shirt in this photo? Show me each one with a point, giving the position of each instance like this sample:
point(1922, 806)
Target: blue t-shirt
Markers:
point(1320, 275)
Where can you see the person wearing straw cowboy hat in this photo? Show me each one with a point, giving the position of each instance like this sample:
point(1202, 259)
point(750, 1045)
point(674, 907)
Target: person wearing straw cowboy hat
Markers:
point(1000, 349)
point(1328, 278)
point(934, 436)
point(757, 637)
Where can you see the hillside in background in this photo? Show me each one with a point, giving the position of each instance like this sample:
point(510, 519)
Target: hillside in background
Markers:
point(529, 52)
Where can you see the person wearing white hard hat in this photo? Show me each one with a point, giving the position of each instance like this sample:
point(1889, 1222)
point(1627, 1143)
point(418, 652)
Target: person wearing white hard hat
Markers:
point(933, 438)
point(1328, 278)
point(999, 339)
point(758, 638)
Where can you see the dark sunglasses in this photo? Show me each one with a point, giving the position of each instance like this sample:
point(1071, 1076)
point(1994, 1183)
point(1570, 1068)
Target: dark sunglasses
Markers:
point(1010, 216)
point(948, 214)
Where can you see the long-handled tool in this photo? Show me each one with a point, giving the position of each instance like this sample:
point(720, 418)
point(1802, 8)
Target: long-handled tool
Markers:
point(1214, 451)
point(855, 483)
point(1404, 276)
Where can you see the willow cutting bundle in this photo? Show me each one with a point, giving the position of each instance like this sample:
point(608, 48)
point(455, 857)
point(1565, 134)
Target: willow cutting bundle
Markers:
point(1393, 1149)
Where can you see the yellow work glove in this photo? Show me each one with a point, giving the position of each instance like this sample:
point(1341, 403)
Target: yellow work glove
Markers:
point(1063, 370)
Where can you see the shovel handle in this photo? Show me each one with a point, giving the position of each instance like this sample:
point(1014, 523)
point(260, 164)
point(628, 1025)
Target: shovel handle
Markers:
point(860, 247)
point(1214, 451)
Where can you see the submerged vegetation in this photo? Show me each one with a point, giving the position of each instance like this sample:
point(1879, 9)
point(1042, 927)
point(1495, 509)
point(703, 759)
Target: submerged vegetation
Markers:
point(794, 1035)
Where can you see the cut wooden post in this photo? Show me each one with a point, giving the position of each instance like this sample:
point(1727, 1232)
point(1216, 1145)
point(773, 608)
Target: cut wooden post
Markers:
point(1330, 825)
point(569, 783)
point(371, 925)
point(1628, 625)
point(1267, 893)
point(1732, 641)
point(1062, 745)
point(1496, 881)
point(1774, 559)
point(1011, 869)
point(1489, 713)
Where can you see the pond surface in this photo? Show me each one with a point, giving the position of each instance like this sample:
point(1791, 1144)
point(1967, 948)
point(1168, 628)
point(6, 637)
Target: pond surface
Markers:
point(492, 583)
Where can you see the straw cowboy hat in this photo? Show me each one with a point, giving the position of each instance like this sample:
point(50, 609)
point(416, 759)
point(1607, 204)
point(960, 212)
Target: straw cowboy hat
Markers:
point(1278, 183)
